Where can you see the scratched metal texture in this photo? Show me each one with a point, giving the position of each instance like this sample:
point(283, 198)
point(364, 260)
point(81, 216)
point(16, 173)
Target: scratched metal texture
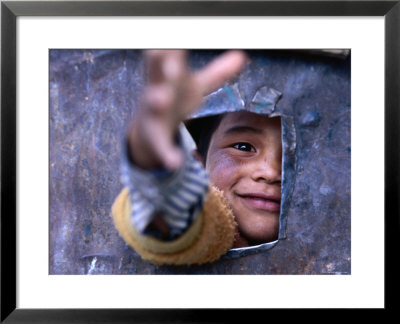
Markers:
point(93, 96)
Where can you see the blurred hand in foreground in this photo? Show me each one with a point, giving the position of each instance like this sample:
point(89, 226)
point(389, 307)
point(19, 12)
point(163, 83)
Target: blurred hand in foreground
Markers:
point(171, 95)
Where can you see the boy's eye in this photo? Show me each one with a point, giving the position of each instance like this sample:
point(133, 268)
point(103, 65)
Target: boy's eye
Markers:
point(244, 147)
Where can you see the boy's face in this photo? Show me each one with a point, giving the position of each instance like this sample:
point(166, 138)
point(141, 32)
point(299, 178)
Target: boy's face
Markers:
point(244, 161)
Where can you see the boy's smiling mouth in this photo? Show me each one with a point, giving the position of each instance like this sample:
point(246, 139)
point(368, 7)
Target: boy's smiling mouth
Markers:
point(261, 201)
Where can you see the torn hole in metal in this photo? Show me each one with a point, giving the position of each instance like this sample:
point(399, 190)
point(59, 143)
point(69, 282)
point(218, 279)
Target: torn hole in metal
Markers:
point(263, 101)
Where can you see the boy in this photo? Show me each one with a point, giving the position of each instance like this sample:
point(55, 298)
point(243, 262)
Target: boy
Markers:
point(169, 212)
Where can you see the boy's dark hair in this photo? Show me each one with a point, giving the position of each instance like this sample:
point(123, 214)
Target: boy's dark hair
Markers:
point(201, 130)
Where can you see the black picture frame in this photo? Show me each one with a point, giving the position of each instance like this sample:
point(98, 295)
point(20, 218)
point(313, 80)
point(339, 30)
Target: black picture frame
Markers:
point(10, 10)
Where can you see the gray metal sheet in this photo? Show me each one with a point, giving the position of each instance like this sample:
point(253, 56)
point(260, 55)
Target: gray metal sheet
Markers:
point(93, 95)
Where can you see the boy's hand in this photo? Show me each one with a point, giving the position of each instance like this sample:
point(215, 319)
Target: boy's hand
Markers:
point(173, 93)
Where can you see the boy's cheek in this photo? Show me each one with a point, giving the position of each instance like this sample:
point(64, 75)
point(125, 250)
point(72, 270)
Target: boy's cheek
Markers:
point(222, 170)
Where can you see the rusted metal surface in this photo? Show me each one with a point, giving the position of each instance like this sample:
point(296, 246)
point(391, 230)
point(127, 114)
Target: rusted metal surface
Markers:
point(93, 96)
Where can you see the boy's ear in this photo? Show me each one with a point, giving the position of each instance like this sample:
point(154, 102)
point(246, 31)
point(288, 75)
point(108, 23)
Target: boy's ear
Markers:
point(196, 154)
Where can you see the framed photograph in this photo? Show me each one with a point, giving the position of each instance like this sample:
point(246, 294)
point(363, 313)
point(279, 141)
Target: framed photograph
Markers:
point(70, 74)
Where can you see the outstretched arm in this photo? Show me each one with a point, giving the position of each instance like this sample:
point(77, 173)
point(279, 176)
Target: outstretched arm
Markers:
point(173, 92)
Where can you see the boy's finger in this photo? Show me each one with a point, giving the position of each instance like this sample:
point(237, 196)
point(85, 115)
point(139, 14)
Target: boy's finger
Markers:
point(158, 98)
point(153, 60)
point(165, 65)
point(220, 70)
point(174, 65)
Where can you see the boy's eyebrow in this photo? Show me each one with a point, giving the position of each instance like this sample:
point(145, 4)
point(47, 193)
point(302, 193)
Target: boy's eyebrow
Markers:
point(242, 129)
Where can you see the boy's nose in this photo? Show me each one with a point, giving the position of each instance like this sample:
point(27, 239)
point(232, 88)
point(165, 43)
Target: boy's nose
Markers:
point(268, 170)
